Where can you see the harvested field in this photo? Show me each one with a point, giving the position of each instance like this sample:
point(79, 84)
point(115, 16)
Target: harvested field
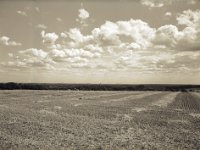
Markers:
point(187, 102)
point(111, 120)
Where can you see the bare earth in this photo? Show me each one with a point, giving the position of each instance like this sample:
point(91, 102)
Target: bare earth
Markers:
point(99, 120)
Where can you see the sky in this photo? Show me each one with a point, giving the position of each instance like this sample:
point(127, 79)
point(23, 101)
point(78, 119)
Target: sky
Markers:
point(100, 41)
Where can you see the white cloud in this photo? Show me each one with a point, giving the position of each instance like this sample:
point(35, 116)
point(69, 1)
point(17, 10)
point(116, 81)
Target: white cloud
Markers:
point(59, 19)
point(58, 53)
point(131, 44)
point(152, 3)
point(77, 59)
point(41, 26)
point(83, 14)
point(55, 46)
point(29, 59)
point(161, 3)
point(77, 37)
point(94, 48)
point(63, 35)
point(167, 35)
point(6, 41)
point(37, 9)
point(10, 55)
point(35, 52)
point(186, 39)
point(168, 14)
point(83, 17)
point(36, 58)
point(49, 37)
point(136, 31)
point(22, 13)
point(80, 53)
point(189, 18)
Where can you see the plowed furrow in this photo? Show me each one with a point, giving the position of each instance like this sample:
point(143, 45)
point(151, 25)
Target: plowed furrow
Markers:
point(186, 101)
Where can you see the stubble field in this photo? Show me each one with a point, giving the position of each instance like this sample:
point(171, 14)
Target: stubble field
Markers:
point(99, 120)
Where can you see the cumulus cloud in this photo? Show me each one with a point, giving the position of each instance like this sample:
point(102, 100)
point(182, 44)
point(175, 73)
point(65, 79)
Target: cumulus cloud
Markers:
point(29, 59)
point(180, 61)
point(80, 53)
point(22, 13)
point(36, 58)
point(152, 3)
point(136, 31)
point(83, 14)
point(161, 3)
point(35, 52)
point(72, 53)
point(189, 18)
point(93, 48)
point(77, 37)
point(6, 41)
point(83, 17)
point(41, 26)
point(168, 14)
point(37, 9)
point(63, 35)
point(131, 44)
point(167, 35)
point(10, 54)
point(186, 39)
point(49, 37)
point(59, 19)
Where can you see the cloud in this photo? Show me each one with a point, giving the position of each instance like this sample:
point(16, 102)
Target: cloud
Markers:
point(49, 37)
point(161, 3)
point(22, 13)
point(186, 39)
point(93, 48)
point(106, 34)
point(153, 61)
point(31, 58)
point(121, 45)
point(37, 9)
point(63, 35)
point(71, 55)
point(41, 26)
point(80, 53)
point(167, 35)
point(180, 61)
point(136, 31)
point(59, 19)
point(168, 14)
point(83, 14)
point(6, 41)
point(189, 18)
point(36, 58)
point(152, 3)
point(172, 38)
point(35, 52)
point(77, 37)
point(83, 17)
point(10, 54)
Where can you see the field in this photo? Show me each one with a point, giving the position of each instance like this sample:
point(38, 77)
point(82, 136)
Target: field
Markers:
point(113, 120)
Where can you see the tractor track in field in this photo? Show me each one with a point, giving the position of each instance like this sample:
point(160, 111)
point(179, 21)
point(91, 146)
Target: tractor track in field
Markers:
point(186, 101)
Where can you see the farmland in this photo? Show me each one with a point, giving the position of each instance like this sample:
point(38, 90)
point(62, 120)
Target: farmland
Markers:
point(33, 119)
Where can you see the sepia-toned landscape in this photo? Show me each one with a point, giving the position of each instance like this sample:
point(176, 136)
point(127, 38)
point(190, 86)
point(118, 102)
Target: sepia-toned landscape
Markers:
point(99, 74)
point(99, 120)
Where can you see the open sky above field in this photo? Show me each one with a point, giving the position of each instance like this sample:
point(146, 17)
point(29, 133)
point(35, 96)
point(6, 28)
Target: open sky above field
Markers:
point(100, 41)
